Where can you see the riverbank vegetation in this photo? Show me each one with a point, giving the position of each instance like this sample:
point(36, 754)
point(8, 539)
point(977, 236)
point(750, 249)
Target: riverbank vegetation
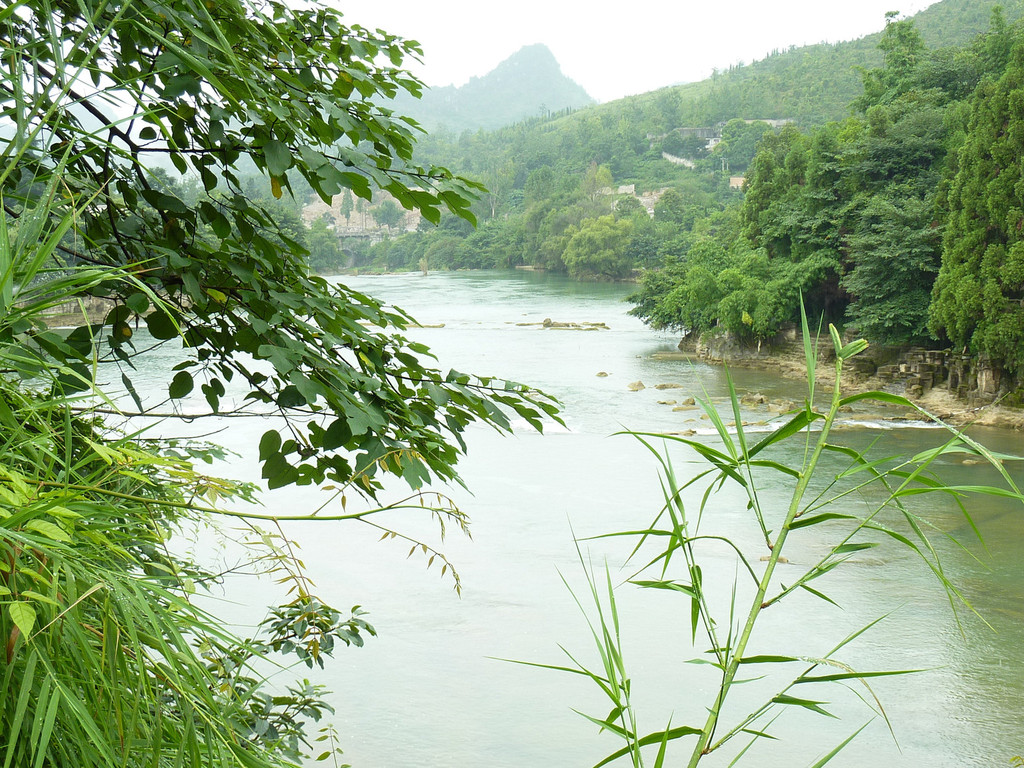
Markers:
point(109, 658)
point(900, 222)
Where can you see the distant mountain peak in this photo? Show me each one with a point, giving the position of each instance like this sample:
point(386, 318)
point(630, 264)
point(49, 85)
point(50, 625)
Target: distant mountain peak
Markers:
point(537, 56)
point(527, 83)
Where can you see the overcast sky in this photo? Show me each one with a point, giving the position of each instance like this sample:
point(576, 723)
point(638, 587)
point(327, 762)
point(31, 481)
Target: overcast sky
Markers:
point(633, 47)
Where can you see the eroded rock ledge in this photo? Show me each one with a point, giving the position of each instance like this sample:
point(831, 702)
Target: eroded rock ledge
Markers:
point(959, 389)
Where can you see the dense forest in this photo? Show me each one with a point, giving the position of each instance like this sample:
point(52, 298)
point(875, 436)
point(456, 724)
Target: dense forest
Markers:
point(901, 221)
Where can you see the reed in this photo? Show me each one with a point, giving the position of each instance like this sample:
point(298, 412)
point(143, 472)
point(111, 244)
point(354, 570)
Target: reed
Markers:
point(867, 500)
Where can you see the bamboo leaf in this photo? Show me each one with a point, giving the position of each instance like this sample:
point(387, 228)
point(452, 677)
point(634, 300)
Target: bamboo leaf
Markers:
point(805, 522)
point(854, 676)
point(659, 759)
point(840, 747)
point(48, 529)
point(669, 734)
point(674, 586)
point(796, 424)
point(845, 549)
point(759, 734)
point(808, 704)
point(852, 349)
point(820, 595)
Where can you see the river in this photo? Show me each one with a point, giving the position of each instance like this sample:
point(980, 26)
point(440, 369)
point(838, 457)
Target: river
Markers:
point(430, 690)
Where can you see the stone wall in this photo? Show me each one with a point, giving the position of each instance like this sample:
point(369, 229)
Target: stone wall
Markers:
point(74, 313)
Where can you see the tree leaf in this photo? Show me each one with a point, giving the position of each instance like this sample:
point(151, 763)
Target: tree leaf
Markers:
point(279, 157)
point(138, 302)
point(161, 326)
point(181, 385)
point(24, 617)
point(270, 444)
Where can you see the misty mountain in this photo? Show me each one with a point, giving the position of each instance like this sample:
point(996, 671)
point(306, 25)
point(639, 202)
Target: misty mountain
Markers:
point(527, 84)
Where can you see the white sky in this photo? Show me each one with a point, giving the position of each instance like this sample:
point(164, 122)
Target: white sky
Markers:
point(632, 47)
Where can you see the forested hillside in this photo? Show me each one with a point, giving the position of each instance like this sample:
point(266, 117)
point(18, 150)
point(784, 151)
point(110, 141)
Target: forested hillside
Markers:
point(816, 83)
point(879, 180)
point(902, 221)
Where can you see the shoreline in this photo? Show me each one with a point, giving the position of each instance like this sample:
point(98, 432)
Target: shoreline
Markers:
point(937, 401)
point(785, 359)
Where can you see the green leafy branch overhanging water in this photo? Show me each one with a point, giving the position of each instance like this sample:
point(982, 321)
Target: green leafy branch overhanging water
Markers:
point(107, 656)
point(818, 499)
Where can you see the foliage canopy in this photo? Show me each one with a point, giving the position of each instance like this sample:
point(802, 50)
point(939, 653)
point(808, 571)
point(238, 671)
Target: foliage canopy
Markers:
point(102, 93)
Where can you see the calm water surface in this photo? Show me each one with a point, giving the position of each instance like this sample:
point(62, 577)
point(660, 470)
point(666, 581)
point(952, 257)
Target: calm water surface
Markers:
point(429, 691)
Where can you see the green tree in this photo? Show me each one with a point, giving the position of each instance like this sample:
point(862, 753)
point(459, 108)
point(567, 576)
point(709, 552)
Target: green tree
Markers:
point(101, 668)
point(540, 185)
point(387, 214)
point(896, 248)
point(739, 143)
point(325, 254)
point(978, 300)
point(671, 208)
point(346, 205)
point(628, 207)
point(599, 248)
point(903, 49)
point(597, 178)
point(239, 292)
point(685, 294)
point(674, 144)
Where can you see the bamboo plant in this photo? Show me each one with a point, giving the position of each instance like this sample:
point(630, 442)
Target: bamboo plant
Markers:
point(853, 509)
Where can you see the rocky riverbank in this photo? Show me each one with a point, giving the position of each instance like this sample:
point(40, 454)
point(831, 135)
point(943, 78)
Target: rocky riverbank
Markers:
point(924, 377)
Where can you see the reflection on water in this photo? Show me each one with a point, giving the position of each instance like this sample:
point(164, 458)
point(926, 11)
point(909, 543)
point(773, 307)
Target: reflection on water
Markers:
point(428, 691)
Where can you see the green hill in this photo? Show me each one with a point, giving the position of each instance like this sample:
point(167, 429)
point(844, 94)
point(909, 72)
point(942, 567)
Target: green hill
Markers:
point(810, 84)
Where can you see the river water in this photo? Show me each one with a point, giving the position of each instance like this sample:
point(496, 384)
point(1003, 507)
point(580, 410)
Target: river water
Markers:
point(430, 691)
